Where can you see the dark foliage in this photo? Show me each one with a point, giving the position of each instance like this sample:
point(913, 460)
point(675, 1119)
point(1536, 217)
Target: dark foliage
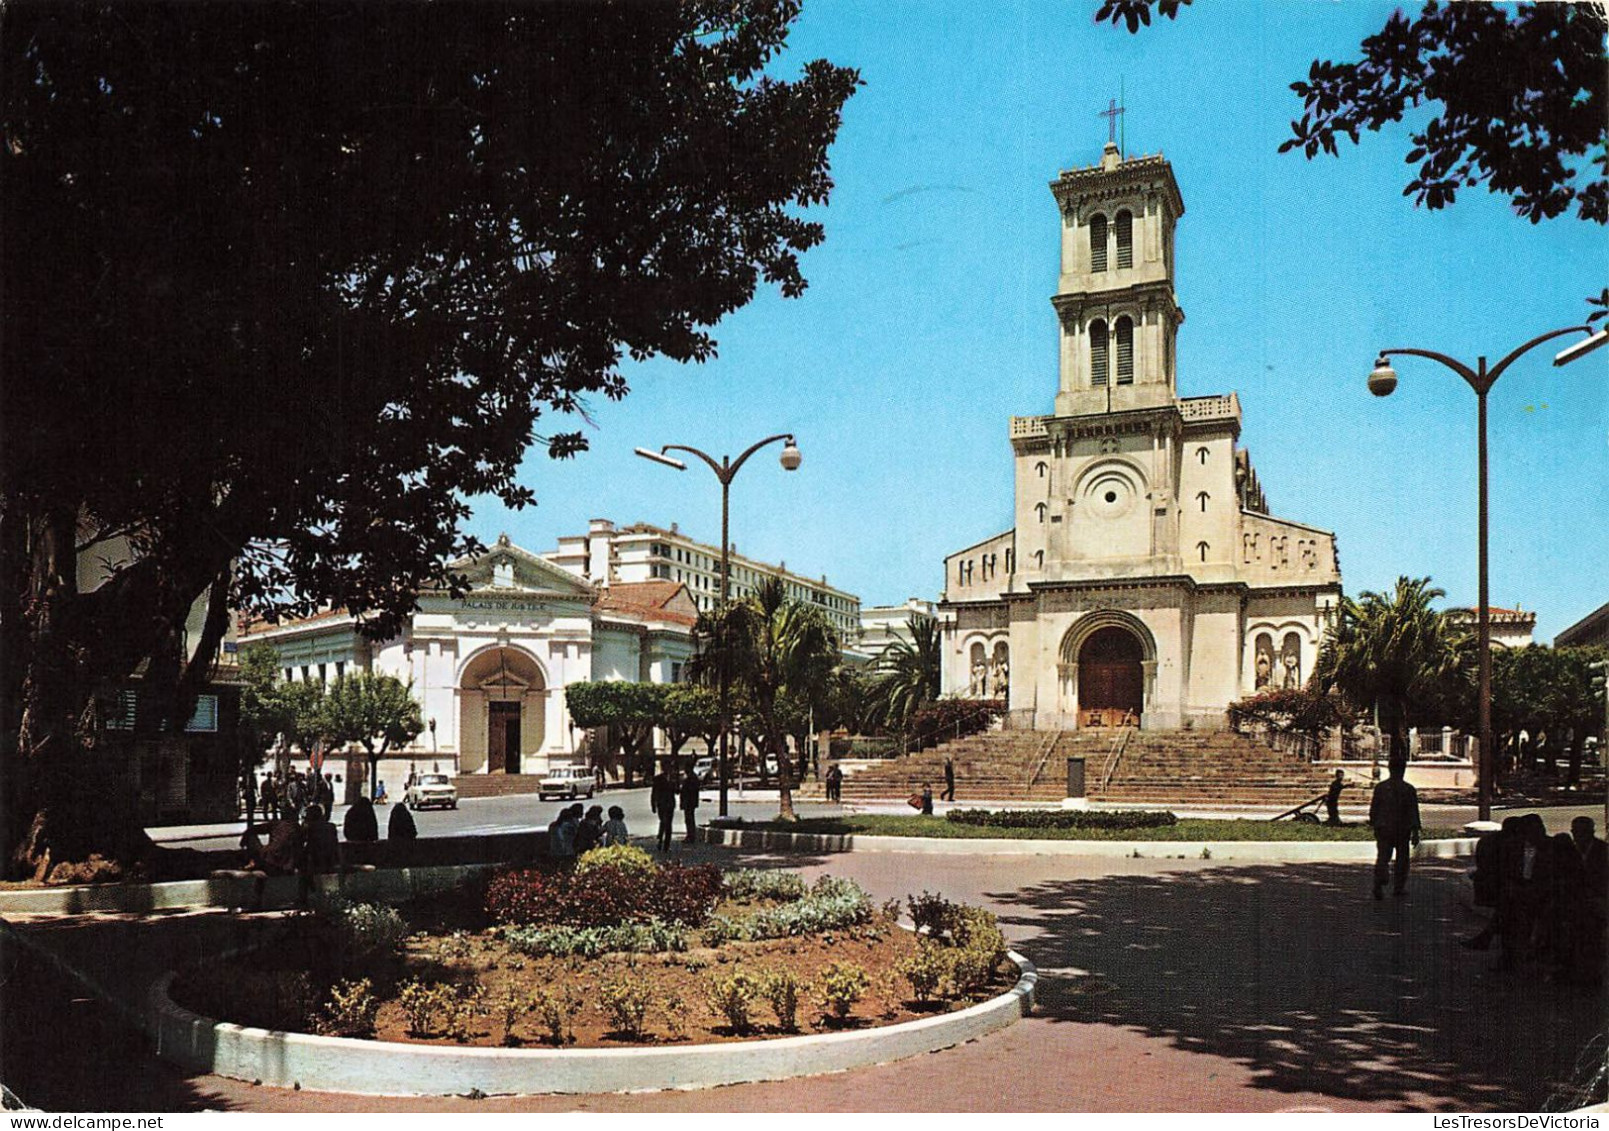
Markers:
point(286, 284)
point(604, 896)
point(943, 719)
point(1062, 819)
point(1304, 710)
point(1522, 98)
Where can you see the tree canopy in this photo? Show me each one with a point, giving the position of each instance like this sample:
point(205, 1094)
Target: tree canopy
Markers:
point(285, 284)
point(1521, 96)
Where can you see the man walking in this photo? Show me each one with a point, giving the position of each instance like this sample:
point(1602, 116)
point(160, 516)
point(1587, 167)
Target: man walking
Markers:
point(1394, 814)
point(949, 779)
point(662, 799)
point(690, 806)
point(1332, 799)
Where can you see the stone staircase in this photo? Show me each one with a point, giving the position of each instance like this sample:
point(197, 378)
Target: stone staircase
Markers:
point(1155, 768)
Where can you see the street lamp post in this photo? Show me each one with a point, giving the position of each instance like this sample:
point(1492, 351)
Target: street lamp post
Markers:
point(1381, 383)
point(726, 470)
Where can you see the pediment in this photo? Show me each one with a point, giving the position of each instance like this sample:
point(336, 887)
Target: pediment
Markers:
point(507, 569)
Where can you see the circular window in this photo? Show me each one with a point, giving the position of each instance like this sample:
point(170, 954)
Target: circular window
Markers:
point(1111, 496)
point(1110, 493)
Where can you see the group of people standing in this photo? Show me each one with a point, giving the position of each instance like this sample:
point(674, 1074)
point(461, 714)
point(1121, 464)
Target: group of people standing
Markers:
point(287, 794)
point(669, 793)
point(1548, 896)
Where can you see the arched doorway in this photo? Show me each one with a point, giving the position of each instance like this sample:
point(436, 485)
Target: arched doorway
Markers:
point(1111, 678)
point(501, 703)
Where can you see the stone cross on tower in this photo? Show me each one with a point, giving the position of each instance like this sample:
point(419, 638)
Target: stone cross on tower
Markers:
point(1111, 114)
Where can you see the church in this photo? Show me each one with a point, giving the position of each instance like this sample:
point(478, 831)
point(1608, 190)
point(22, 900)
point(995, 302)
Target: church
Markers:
point(1145, 581)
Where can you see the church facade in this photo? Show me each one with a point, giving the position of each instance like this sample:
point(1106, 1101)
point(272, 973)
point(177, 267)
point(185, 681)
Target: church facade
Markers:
point(1145, 580)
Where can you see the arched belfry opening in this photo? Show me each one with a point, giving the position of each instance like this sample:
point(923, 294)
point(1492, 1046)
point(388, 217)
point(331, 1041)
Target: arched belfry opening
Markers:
point(502, 698)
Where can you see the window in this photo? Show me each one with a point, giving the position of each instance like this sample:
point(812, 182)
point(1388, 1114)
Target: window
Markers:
point(1039, 508)
point(1202, 499)
point(1039, 559)
point(1097, 242)
point(340, 669)
point(1040, 467)
point(205, 719)
point(1125, 351)
point(1125, 240)
point(120, 712)
point(1099, 367)
point(1201, 455)
point(1202, 547)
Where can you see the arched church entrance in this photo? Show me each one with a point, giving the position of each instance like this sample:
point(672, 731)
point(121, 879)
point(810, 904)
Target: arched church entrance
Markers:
point(1111, 678)
point(502, 697)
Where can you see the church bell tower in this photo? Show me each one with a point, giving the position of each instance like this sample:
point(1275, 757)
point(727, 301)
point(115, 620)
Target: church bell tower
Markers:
point(1115, 301)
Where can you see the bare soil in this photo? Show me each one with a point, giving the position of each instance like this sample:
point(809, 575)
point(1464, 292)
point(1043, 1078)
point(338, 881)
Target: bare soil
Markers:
point(269, 987)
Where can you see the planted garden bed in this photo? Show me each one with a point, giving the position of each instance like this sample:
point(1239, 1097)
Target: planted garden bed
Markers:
point(618, 951)
point(1055, 824)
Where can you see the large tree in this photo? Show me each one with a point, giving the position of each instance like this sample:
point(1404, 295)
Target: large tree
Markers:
point(285, 284)
point(908, 673)
point(1521, 96)
point(1387, 652)
point(376, 711)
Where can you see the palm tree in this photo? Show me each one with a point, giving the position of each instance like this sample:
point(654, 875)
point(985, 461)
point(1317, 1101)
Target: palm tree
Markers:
point(1388, 650)
point(908, 673)
point(770, 646)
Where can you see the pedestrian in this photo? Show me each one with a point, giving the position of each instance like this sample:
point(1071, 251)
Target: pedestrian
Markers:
point(614, 829)
point(662, 799)
point(248, 796)
point(320, 851)
point(1394, 814)
point(927, 799)
point(361, 824)
point(949, 779)
point(270, 797)
point(326, 793)
point(1332, 798)
point(589, 833)
point(689, 792)
point(1527, 869)
point(400, 825)
point(835, 783)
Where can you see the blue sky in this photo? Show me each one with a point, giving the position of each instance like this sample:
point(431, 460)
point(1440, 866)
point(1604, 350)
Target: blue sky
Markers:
point(928, 322)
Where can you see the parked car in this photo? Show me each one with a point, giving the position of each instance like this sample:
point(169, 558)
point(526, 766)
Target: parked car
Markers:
point(567, 781)
point(706, 768)
point(432, 789)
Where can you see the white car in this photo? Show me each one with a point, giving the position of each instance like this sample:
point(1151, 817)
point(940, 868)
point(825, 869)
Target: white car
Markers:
point(567, 781)
point(432, 789)
point(706, 769)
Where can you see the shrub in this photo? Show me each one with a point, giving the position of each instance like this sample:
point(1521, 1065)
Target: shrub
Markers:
point(782, 989)
point(721, 930)
point(420, 1003)
point(460, 1005)
point(626, 998)
point(842, 985)
point(605, 894)
point(652, 937)
point(1116, 819)
point(675, 1010)
point(553, 1012)
point(974, 929)
point(929, 912)
point(362, 929)
point(926, 970)
point(350, 1010)
point(765, 883)
point(832, 904)
point(970, 969)
point(679, 894)
point(510, 1007)
point(625, 858)
point(733, 997)
point(944, 719)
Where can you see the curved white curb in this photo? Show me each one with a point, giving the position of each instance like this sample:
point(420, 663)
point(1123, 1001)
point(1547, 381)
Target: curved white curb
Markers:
point(1272, 851)
point(339, 1064)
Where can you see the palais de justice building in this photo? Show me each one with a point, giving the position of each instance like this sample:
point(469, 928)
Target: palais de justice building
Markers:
point(1145, 575)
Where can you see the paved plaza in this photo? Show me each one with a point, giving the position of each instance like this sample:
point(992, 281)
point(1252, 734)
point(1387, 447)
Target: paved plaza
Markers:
point(1167, 985)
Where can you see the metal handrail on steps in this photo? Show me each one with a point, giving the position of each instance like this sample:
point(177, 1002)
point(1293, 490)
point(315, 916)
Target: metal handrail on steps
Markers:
point(1119, 745)
point(1044, 757)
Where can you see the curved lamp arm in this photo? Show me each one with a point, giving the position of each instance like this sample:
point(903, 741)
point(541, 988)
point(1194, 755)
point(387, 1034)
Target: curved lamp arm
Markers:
point(715, 467)
point(1454, 364)
point(1484, 378)
point(1497, 369)
point(725, 470)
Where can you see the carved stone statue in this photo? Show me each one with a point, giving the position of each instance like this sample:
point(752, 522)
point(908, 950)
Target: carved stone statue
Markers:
point(1265, 664)
point(979, 675)
point(1293, 673)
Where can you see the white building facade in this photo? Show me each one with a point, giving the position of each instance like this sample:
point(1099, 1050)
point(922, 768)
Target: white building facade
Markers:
point(1145, 579)
point(489, 668)
point(606, 555)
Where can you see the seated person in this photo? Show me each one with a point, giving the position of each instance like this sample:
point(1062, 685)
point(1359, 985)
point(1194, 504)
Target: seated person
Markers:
point(361, 824)
point(401, 825)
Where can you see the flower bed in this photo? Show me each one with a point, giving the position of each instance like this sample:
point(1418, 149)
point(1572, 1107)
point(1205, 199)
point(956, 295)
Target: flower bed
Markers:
point(683, 955)
point(1184, 829)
